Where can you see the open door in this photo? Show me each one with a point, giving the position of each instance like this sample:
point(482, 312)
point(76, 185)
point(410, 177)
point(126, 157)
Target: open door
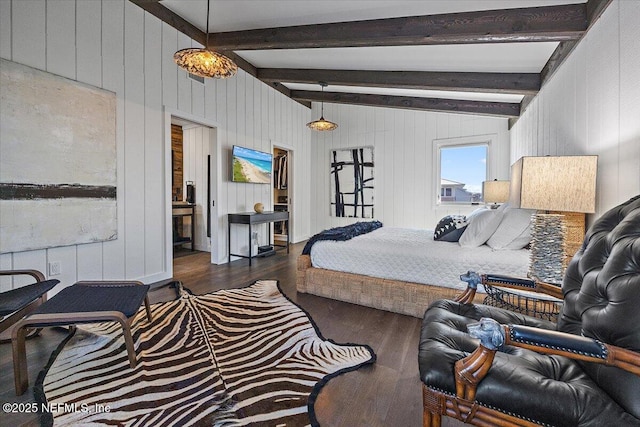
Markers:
point(282, 192)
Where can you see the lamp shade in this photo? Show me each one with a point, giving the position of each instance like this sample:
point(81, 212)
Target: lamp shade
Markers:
point(205, 63)
point(554, 183)
point(322, 125)
point(495, 191)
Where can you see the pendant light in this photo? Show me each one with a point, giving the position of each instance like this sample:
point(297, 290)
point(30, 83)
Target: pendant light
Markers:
point(204, 62)
point(321, 124)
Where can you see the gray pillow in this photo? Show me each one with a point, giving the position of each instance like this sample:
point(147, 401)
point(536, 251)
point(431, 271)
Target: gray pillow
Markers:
point(514, 232)
point(450, 228)
point(482, 225)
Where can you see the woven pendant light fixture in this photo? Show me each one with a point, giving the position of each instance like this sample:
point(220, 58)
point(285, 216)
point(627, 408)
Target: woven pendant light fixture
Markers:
point(321, 124)
point(204, 62)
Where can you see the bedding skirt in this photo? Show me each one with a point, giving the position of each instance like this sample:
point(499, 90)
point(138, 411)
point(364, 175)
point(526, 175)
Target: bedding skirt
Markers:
point(396, 296)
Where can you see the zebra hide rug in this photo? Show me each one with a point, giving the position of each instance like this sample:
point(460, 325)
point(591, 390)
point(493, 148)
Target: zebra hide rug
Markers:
point(230, 358)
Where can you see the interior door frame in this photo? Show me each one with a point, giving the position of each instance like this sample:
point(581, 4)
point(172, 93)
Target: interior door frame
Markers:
point(214, 187)
point(290, 185)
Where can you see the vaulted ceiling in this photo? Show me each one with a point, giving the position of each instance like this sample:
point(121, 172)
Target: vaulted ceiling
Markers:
point(469, 56)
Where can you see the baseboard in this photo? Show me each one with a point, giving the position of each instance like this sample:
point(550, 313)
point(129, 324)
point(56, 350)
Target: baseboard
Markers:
point(155, 278)
point(301, 239)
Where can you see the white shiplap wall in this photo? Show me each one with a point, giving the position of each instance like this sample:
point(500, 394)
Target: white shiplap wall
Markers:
point(115, 45)
point(196, 144)
point(403, 142)
point(592, 106)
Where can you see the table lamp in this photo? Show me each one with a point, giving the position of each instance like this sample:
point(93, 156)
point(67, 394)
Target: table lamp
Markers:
point(552, 183)
point(495, 192)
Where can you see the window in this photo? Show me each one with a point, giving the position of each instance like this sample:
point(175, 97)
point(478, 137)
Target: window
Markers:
point(462, 168)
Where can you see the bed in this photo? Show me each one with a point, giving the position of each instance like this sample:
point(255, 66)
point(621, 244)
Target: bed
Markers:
point(400, 270)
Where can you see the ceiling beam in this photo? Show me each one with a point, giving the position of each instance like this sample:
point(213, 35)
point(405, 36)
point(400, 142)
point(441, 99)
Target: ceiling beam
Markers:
point(185, 27)
point(533, 24)
point(176, 21)
point(516, 83)
point(594, 8)
point(501, 109)
point(250, 69)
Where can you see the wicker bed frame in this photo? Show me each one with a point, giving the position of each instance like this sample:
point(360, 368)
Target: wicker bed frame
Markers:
point(385, 294)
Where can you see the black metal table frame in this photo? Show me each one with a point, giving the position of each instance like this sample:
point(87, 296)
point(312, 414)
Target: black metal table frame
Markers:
point(192, 214)
point(251, 218)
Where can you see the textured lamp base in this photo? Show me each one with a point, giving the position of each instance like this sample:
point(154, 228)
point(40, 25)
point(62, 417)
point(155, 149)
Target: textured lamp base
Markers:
point(548, 248)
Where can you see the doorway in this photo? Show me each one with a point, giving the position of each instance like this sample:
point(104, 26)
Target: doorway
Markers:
point(192, 187)
point(282, 192)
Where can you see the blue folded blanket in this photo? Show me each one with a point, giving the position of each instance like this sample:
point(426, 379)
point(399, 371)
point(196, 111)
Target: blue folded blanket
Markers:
point(342, 233)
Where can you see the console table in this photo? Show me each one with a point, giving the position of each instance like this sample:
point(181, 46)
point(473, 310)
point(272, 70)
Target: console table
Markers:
point(253, 218)
point(182, 210)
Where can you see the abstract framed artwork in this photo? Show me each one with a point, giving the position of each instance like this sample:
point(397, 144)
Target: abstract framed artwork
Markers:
point(57, 161)
point(352, 185)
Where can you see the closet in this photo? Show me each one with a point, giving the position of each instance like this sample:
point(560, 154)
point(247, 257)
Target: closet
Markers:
point(281, 188)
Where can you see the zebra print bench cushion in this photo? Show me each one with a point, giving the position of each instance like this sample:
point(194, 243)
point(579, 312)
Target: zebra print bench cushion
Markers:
point(246, 353)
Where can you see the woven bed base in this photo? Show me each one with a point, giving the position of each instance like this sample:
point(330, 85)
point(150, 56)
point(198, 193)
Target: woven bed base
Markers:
point(392, 295)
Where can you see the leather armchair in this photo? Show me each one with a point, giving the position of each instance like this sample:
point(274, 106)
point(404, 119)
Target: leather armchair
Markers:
point(488, 366)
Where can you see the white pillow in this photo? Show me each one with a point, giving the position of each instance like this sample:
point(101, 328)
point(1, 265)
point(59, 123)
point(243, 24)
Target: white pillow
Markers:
point(483, 223)
point(514, 232)
point(476, 212)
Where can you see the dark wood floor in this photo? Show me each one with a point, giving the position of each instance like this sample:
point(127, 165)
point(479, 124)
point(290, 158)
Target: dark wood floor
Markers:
point(384, 394)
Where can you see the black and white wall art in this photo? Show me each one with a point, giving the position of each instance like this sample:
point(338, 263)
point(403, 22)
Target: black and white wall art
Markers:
point(352, 189)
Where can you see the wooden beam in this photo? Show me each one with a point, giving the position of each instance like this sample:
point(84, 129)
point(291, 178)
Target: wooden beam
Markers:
point(594, 9)
point(185, 27)
point(526, 100)
point(556, 59)
point(173, 19)
point(518, 83)
point(501, 109)
point(533, 24)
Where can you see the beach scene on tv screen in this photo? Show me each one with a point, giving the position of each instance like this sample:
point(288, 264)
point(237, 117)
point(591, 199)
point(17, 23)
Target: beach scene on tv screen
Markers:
point(251, 166)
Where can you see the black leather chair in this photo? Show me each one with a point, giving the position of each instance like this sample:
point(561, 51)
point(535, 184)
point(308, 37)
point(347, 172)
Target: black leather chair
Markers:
point(582, 371)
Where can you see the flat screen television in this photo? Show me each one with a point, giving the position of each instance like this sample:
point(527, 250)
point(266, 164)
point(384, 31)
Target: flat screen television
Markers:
point(251, 165)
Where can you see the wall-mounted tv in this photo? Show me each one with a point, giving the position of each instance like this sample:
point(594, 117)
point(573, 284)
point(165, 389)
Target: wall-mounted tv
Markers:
point(251, 165)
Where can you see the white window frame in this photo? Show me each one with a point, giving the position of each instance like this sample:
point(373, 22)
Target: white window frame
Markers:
point(467, 141)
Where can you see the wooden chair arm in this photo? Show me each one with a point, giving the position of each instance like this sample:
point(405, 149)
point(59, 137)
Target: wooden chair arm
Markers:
point(571, 346)
point(33, 273)
point(473, 279)
point(522, 284)
point(472, 369)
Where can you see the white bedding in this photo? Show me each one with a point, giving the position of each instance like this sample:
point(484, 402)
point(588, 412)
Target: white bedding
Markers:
point(413, 256)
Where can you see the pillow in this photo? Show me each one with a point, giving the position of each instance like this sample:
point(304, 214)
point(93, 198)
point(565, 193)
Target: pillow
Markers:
point(482, 224)
point(476, 212)
point(450, 228)
point(514, 232)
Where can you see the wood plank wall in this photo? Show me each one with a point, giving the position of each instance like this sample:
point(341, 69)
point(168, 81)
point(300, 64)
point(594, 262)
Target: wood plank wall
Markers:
point(405, 160)
point(115, 45)
point(196, 151)
point(177, 162)
point(590, 106)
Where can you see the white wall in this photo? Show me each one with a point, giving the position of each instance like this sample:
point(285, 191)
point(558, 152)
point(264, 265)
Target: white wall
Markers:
point(404, 174)
point(592, 106)
point(196, 145)
point(115, 45)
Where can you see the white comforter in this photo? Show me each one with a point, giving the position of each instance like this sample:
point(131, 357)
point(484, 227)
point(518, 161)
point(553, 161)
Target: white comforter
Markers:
point(413, 256)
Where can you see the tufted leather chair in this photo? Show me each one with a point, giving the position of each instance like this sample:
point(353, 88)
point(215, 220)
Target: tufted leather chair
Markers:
point(582, 371)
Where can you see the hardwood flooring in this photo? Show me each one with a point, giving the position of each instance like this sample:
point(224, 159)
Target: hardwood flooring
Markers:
point(386, 393)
